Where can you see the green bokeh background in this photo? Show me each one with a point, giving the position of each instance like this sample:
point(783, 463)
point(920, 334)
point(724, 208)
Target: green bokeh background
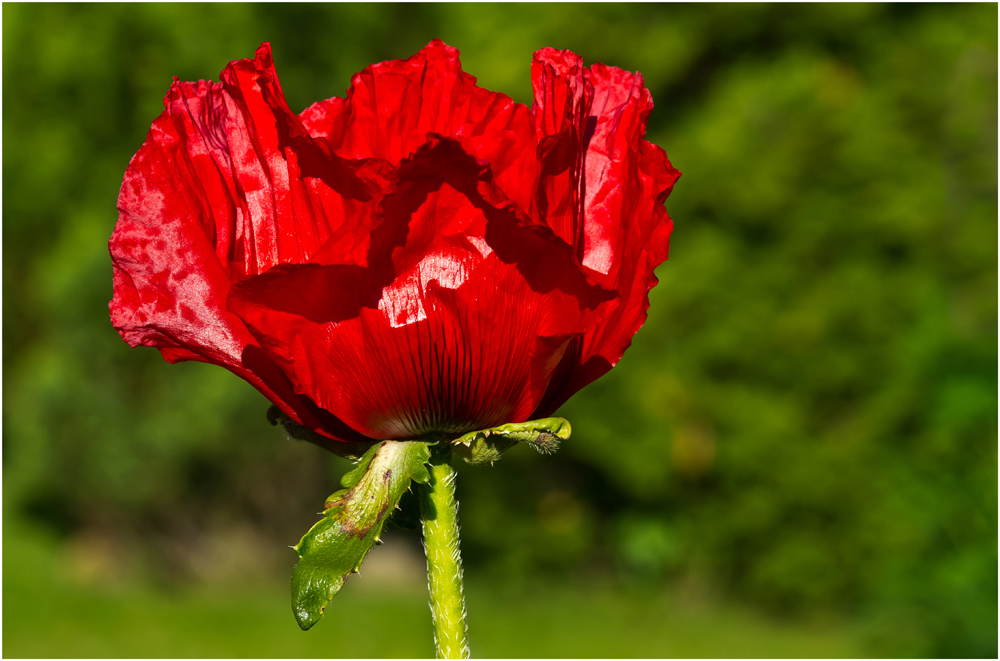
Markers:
point(797, 456)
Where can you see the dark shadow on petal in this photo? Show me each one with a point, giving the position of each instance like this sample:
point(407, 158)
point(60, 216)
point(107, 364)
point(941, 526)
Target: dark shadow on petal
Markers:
point(544, 260)
point(319, 163)
point(315, 159)
point(319, 293)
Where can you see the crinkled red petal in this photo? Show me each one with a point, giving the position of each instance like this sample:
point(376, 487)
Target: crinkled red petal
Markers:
point(297, 196)
point(621, 231)
point(190, 222)
point(562, 98)
point(393, 106)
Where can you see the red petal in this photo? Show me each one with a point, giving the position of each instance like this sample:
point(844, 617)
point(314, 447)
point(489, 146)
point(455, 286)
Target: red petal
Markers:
point(297, 195)
point(622, 230)
point(456, 325)
point(562, 99)
point(626, 177)
point(393, 106)
point(186, 229)
point(169, 285)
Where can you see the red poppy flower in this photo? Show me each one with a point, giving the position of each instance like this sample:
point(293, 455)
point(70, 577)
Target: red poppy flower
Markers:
point(423, 256)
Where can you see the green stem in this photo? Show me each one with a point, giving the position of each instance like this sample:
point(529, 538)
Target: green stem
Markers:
point(439, 511)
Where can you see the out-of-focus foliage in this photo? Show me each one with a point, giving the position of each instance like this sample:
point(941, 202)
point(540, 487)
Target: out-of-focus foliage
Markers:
point(807, 423)
point(51, 618)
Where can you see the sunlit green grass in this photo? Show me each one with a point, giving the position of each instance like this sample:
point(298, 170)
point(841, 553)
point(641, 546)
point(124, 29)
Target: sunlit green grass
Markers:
point(46, 615)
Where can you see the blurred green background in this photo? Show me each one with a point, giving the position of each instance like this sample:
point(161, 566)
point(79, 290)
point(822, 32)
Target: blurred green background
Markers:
point(797, 457)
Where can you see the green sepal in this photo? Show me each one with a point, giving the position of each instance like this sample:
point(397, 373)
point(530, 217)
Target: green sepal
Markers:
point(334, 547)
point(488, 445)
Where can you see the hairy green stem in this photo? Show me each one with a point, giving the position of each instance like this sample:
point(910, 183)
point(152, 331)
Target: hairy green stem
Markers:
point(439, 512)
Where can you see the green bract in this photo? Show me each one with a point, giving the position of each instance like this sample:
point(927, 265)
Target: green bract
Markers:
point(488, 445)
point(336, 545)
